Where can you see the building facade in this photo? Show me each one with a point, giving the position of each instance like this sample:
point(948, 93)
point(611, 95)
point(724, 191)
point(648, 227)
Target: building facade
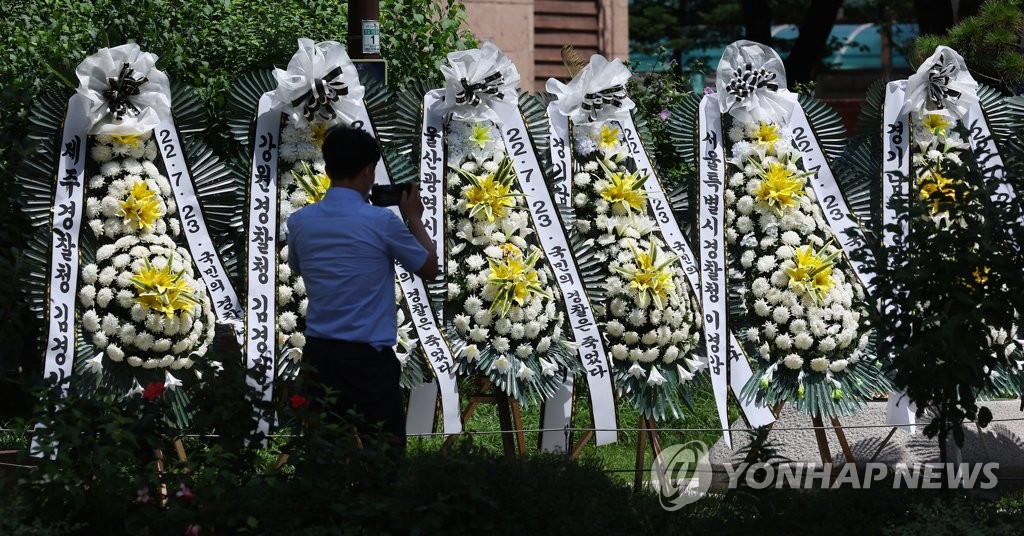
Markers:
point(532, 32)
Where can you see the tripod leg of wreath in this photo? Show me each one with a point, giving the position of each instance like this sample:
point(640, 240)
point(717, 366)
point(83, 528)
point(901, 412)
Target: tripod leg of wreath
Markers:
point(587, 434)
point(648, 431)
point(822, 439)
point(843, 443)
point(508, 410)
point(819, 436)
point(179, 449)
point(158, 455)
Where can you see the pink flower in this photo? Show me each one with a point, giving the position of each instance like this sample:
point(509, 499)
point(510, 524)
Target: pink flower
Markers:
point(192, 530)
point(142, 495)
point(185, 493)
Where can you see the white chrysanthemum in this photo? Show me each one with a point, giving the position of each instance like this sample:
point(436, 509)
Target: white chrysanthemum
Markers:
point(472, 305)
point(637, 317)
point(287, 321)
point(461, 322)
point(819, 364)
point(766, 263)
point(761, 308)
point(103, 297)
point(793, 361)
point(478, 334)
point(747, 259)
point(803, 341)
point(781, 314)
point(671, 354)
point(838, 365)
point(484, 318)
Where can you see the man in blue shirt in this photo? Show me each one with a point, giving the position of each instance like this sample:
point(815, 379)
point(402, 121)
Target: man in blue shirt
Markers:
point(346, 249)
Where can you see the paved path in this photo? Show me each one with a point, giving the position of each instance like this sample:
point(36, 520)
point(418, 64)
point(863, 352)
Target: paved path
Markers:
point(1001, 442)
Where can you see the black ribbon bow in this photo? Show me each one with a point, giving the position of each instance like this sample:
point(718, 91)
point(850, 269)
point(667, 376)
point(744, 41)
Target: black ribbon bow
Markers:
point(593, 103)
point(746, 80)
point(939, 76)
point(470, 93)
point(120, 90)
point(319, 100)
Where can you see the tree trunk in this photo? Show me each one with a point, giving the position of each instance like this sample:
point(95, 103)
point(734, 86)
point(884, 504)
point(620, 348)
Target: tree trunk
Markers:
point(757, 21)
point(933, 17)
point(804, 61)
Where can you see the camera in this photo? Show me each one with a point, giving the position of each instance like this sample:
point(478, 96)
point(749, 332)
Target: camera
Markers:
point(388, 195)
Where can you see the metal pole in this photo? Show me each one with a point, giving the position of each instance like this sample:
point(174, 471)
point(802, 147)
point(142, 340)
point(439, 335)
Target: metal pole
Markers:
point(363, 29)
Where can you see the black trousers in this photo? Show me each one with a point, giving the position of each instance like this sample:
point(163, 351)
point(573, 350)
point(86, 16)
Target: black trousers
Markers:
point(365, 382)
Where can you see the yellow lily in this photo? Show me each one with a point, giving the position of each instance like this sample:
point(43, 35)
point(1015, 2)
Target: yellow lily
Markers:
point(515, 279)
point(491, 194)
point(142, 206)
point(651, 279)
point(163, 290)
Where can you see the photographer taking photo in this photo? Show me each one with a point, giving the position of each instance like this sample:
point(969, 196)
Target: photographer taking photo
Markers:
point(346, 249)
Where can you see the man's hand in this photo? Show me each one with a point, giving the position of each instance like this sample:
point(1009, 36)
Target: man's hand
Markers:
point(412, 210)
point(411, 205)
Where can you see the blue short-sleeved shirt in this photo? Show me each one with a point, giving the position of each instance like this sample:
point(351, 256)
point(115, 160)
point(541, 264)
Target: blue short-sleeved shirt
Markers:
point(345, 250)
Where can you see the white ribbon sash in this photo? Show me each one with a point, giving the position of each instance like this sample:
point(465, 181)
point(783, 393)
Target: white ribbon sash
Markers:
point(830, 197)
point(204, 253)
point(423, 397)
point(987, 152)
point(712, 246)
point(895, 183)
point(558, 408)
point(261, 259)
point(561, 155)
point(739, 368)
point(439, 355)
point(553, 239)
point(66, 226)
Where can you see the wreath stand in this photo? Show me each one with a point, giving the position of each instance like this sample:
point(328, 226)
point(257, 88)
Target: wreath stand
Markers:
point(158, 456)
point(648, 432)
point(510, 417)
point(820, 437)
point(587, 435)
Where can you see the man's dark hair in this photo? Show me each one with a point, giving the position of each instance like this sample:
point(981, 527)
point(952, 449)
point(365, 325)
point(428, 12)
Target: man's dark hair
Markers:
point(347, 151)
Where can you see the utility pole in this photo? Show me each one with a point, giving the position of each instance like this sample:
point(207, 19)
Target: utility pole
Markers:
point(364, 29)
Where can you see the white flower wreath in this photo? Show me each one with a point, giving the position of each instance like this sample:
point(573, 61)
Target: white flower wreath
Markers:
point(502, 299)
point(143, 304)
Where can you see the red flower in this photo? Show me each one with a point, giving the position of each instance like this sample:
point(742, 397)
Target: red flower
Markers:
point(298, 401)
point(153, 391)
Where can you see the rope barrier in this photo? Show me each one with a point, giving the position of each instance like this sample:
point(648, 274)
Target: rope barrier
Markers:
point(578, 429)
